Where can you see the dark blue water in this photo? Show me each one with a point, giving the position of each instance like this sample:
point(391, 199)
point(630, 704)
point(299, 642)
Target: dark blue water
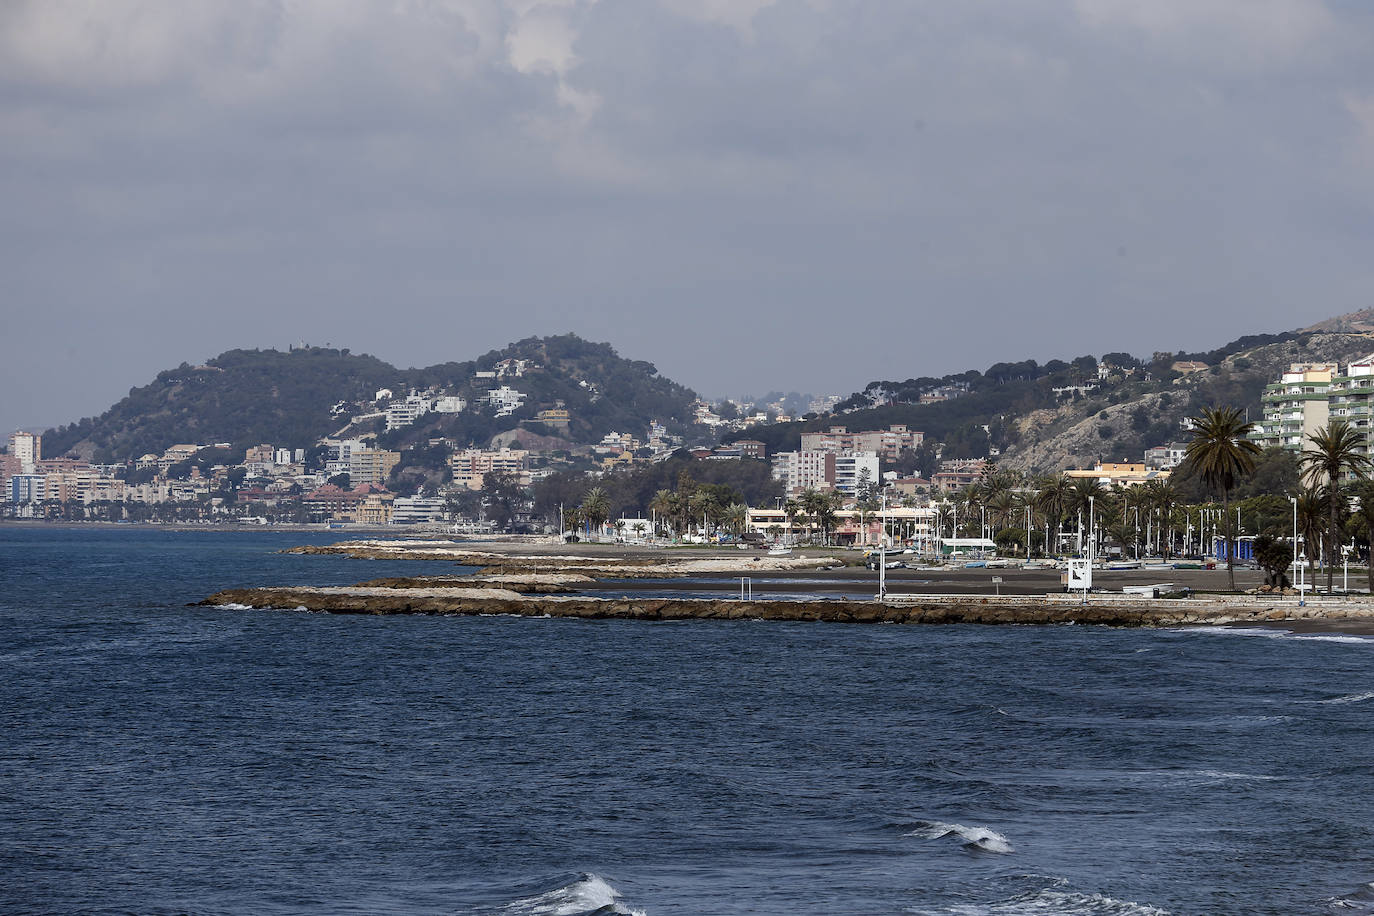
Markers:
point(158, 758)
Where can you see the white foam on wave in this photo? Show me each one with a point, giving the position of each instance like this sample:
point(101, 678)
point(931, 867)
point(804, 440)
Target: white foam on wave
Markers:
point(234, 607)
point(1051, 902)
point(1352, 698)
point(588, 894)
point(1348, 639)
point(974, 837)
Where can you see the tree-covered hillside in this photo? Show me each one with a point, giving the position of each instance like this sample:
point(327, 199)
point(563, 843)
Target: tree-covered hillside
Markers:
point(1108, 412)
point(602, 392)
point(243, 397)
point(246, 397)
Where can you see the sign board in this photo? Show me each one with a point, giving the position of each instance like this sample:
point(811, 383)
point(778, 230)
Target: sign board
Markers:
point(996, 579)
point(1080, 574)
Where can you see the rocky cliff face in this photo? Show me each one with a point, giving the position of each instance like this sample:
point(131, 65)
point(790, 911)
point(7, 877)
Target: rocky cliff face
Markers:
point(1078, 434)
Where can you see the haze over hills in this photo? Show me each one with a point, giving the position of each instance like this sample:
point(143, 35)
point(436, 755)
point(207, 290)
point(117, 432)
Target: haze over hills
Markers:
point(295, 397)
point(1046, 417)
point(1036, 417)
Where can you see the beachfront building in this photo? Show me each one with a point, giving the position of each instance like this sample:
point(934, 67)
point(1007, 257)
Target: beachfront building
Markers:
point(1298, 404)
point(1351, 398)
point(853, 527)
point(805, 470)
point(27, 448)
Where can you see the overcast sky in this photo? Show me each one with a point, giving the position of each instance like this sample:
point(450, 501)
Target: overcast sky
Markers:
point(753, 195)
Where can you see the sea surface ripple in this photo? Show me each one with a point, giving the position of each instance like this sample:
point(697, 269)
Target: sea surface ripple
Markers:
point(160, 758)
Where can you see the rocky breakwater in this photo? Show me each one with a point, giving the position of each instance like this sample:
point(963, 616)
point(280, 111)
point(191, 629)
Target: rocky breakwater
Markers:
point(642, 565)
point(1051, 609)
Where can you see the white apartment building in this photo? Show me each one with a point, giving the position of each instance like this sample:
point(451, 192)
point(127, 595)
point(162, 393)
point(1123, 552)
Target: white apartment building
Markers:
point(28, 448)
point(505, 399)
point(450, 403)
point(824, 469)
point(1297, 405)
point(405, 411)
point(853, 467)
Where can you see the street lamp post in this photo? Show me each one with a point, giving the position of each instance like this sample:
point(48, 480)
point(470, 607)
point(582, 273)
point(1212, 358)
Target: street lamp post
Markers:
point(1294, 501)
point(1092, 533)
point(1302, 595)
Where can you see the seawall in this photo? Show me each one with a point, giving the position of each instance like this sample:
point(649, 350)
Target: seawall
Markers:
point(1050, 609)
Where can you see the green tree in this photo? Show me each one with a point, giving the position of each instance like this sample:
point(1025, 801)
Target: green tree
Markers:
point(595, 508)
point(1364, 517)
point(1274, 557)
point(1220, 453)
point(1052, 498)
point(1336, 451)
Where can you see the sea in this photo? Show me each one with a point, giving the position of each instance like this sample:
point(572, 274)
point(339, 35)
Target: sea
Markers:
point(158, 757)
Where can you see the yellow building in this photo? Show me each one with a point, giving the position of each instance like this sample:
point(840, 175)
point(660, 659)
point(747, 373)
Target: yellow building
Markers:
point(1126, 474)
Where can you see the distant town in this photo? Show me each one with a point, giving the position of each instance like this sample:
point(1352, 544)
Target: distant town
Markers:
point(843, 486)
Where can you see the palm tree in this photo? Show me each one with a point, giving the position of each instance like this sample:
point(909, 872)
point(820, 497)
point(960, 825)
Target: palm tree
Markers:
point(792, 508)
point(735, 516)
point(1053, 499)
point(1084, 494)
point(1311, 502)
point(1220, 453)
point(596, 507)
point(662, 504)
point(1337, 450)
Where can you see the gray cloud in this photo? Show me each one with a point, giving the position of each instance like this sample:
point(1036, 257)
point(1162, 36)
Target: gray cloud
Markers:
point(753, 195)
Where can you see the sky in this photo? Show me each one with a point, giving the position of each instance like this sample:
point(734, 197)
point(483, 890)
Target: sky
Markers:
point(753, 195)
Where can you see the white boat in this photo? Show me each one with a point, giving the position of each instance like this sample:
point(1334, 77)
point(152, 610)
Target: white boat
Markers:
point(780, 550)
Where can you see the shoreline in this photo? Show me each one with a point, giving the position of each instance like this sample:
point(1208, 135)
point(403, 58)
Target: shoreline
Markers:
point(549, 579)
point(490, 597)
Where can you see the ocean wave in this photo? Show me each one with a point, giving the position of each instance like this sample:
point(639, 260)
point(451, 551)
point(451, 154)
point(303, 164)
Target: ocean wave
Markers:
point(1350, 698)
point(1348, 639)
point(1358, 903)
point(234, 607)
point(1053, 903)
point(975, 837)
point(589, 895)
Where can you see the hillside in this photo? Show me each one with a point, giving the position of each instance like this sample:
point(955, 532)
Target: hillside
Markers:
point(293, 398)
point(601, 391)
point(1107, 410)
point(243, 397)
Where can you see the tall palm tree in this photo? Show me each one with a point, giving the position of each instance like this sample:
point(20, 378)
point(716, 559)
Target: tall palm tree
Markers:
point(1053, 500)
point(792, 508)
point(662, 505)
point(596, 507)
point(1220, 453)
point(1311, 503)
point(1336, 451)
point(735, 516)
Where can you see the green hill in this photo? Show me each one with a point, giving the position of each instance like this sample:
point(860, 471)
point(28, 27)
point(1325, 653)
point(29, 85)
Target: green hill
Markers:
point(246, 397)
point(243, 397)
point(1013, 409)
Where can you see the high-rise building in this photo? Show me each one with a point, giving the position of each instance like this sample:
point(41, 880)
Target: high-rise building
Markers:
point(28, 448)
point(1295, 406)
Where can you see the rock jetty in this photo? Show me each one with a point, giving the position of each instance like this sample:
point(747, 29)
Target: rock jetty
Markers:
point(660, 565)
point(489, 598)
